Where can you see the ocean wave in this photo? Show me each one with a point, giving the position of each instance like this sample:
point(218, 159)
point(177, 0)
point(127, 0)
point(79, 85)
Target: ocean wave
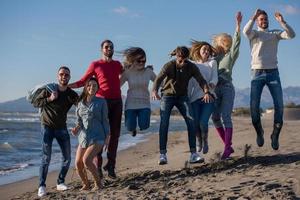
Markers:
point(6, 146)
point(3, 130)
point(17, 167)
point(153, 121)
point(20, 119)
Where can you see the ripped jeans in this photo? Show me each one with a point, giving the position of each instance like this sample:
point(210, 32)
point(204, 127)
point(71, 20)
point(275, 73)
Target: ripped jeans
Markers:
point(260, 78)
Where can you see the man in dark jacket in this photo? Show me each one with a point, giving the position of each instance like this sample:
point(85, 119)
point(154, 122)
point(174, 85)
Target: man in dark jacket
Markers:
point(176, 75)
point(54, 108)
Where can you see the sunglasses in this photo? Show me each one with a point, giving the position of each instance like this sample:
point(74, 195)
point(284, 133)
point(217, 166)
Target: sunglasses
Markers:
point(64, 74)
point(141, 61)
point(108, 46)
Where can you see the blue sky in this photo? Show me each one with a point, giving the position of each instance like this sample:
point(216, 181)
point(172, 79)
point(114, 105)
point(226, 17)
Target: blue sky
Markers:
point(38, 36)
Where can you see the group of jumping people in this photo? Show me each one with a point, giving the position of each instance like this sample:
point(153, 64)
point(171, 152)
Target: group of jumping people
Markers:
point(198, 82)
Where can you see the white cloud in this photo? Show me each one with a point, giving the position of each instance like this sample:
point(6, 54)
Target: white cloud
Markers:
point(291, 10)
point(125, 11)
point(287, 9)
point(121, 10)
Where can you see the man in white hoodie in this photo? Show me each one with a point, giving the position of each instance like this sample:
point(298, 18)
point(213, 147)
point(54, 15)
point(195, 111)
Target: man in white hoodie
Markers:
point(264, 45)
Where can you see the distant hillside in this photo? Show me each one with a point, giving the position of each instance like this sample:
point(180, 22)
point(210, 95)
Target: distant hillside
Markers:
point(18, 105)
point(242, 99)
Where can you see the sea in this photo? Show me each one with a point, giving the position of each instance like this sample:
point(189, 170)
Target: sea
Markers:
point(20, 143)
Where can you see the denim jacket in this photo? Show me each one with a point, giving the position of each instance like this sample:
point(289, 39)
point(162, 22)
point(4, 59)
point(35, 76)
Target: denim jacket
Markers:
point(93, 121)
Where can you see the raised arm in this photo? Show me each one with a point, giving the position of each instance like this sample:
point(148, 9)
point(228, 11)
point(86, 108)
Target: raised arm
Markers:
point(288, 32)
point(41, 99)
point(248, 29)
point(88, 74)
point(44, 98)
point(236, 41)
point(239, 18)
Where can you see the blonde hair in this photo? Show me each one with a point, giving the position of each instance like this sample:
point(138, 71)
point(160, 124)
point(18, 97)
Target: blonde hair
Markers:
point(195, 50)
point(218, 40)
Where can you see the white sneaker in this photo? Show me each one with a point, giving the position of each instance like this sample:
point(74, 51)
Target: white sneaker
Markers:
point(195, 158)
point(163, 159)
point(42, 191)
point(62, 187)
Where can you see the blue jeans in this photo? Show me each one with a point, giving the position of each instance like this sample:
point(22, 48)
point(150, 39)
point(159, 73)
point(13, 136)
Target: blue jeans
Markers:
point(142, 116)
point(166, 105)
point(201, 112)
point(63, 139)
point(260, 78)
point(223, 105)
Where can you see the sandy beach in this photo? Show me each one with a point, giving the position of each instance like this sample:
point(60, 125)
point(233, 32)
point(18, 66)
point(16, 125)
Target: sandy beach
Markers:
point(252, 173)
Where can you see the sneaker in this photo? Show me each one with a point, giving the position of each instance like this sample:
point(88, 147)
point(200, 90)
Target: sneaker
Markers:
point(42, 191)
point(195, 158)
point(163, 159)
point(62, 187)
point(111, 171)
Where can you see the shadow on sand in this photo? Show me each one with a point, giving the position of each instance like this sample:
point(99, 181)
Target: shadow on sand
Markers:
point(180, 184)
point(137, 182)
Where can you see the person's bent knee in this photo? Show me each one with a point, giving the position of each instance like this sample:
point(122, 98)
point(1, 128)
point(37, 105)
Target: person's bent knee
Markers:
point(87, 162)
point(79, 164)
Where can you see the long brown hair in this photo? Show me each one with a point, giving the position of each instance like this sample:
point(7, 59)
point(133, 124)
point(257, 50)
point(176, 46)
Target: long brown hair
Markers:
point(131, 55)
point(195, 50)
point(84, 94)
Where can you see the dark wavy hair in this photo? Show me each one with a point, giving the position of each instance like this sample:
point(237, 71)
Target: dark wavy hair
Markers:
point(181, 50)
point(84, 93)
point(106, 41)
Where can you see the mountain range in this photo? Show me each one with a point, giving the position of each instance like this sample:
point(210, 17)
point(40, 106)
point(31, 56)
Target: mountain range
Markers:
point(242, 99)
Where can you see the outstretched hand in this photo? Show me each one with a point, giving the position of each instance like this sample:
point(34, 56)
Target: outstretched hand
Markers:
point(279, 17)
point(239, 17)
point(256, 14)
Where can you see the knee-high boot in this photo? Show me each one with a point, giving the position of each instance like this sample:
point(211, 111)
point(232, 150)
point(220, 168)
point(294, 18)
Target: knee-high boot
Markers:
point(221, 133)
point(275, 135)
point(228, 142)
point(259, 134)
